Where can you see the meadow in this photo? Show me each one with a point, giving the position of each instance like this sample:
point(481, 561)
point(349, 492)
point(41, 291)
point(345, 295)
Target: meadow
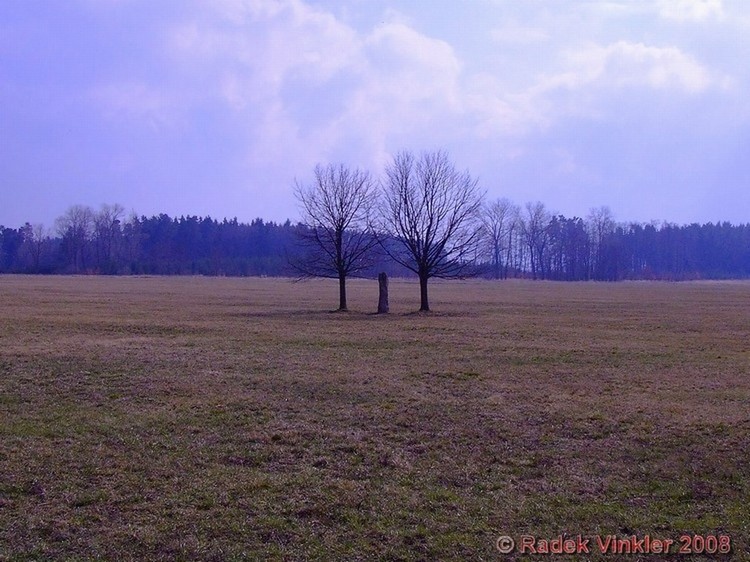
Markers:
point(190, 418)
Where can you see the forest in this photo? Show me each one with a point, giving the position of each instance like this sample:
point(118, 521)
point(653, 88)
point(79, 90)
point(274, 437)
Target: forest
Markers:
point(516, 242)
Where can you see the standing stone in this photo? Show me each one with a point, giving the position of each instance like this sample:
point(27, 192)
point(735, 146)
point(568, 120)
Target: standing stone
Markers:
point(383, 293)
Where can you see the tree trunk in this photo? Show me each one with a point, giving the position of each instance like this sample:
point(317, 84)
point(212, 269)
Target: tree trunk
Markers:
point(383, 293)
point(342, 292)
point(425, 306)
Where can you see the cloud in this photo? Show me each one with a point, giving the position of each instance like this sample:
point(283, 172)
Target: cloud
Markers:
point(624, 64)
point(266, 63)
point(408, 72)
point(305, 80)
point(409, 86)
point(586, 77)
point(690, 10)
point(296, 75)
point(266, 42)
point(495, 109)
point(248, 94)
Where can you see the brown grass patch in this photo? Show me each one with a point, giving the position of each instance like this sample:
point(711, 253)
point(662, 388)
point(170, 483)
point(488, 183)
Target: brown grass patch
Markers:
point(229, 419)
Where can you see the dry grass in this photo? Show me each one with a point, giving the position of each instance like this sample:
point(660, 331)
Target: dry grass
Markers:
point(230, 419)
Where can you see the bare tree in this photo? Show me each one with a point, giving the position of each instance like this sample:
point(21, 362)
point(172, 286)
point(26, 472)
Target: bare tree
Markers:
point(75, 228)
point(536, 236)
point(431, 211)
point(107, 236)
point(499, 219)
point(336, 209)
point(35, 238)
point(600, 223)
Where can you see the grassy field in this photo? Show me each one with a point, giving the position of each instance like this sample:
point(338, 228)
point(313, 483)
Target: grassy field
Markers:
point(232, 419)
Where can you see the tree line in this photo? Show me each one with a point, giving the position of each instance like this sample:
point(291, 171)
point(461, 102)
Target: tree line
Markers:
point(109, 242)
point(532, 242)
point(424, 218)
point(434, 221)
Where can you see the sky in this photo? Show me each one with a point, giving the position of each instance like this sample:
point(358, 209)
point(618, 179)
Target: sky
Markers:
point(217, 107)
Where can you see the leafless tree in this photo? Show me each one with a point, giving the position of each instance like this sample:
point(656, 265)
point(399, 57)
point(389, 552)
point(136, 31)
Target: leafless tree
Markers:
point(107, 236)
point(499, 219)
point(431, 211)
point(534, 225)
point(336, 209)
point(35, 238)
point(75, 228)
point(600, 223)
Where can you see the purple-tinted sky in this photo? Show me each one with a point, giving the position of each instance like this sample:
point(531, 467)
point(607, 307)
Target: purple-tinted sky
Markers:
point(214, 107)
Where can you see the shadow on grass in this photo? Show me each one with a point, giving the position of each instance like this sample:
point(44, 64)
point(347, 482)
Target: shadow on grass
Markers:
point(348, 314)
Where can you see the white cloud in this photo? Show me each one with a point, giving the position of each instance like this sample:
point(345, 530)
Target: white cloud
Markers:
point(276, 63)
point(691, 10)
point(267, 41)
point(495, 109)
point(585, 79)
point(261, 90)
point(409, 69)
point(251, 54)
point(624, 64)
point(403, 84)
